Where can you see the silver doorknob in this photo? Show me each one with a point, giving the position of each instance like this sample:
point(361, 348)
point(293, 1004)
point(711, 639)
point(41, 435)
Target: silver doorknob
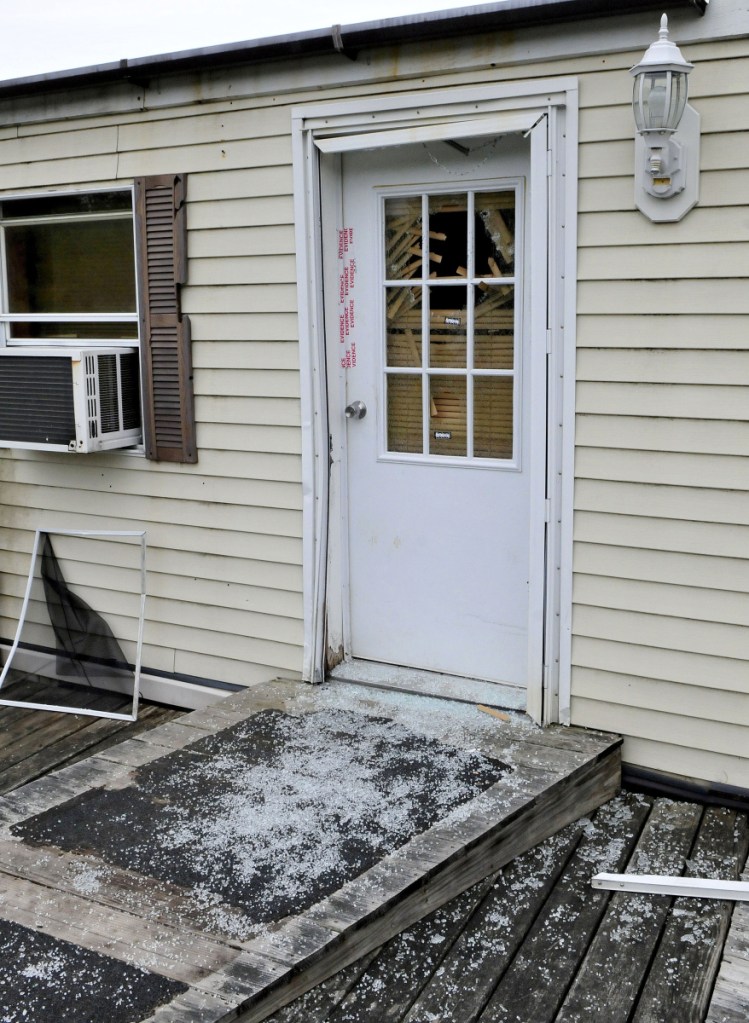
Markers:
point(356, 410)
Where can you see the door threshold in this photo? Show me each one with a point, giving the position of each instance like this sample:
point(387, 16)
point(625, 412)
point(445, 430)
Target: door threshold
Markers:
point(430, 683)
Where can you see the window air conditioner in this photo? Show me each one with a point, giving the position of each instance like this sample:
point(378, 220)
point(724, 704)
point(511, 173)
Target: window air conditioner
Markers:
point(69, 399)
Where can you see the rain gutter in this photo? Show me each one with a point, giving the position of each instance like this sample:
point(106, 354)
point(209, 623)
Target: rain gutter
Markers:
point(344, 40)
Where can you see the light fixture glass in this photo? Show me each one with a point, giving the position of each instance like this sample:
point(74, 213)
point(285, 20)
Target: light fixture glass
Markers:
point(659, 102)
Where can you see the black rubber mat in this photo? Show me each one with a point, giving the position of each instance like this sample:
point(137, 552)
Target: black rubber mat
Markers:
point(275, 813)
point(50, 981)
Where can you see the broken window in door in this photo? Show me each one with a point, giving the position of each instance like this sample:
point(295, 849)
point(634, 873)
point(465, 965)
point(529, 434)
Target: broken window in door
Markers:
point(450, 314)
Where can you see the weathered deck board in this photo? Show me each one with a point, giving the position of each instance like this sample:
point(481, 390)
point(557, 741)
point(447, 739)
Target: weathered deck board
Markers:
point(490, 942)
point(730, 999)
point(683, 973)
point(617, 962)
point(554, 942)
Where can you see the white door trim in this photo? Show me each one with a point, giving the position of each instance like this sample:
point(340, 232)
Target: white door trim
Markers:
point(317, 183)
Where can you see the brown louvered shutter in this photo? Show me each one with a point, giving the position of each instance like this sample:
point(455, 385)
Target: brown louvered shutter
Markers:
point(168, 409)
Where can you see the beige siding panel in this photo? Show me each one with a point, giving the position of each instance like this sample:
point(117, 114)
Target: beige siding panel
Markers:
point(261, 298)
point(686, 733)
point(702, 226)
point(709, 538)
point(70, 513)
point(218, 490)
point(17, 178)
point(236, 213)
point(213, 327)
point(668, 367)
point(148, 110)
point(232, 469)
point(710, 79)
point(116, 606)
point(670, 759)
point(217, 593)
point(261, 561)
point(663, 632)
point(722, 151)
point(63, 146)
point(727, 114)
point(608, 687)
point(191, 159)
point(704, 436)
point(241, 241)
point(194, 561)
point(260, 411)
point(238, 184)
point(242, 270)
point(271, 411)
point(653, 262)
point(688, 602)
point(240, 518)
point(717, 188)
point(204, 126)
point(687, 668)
point(267, 383)
point(726, 472)
point(266, 439)
point(613, 122)
point(687, 401)
point(672, 331)
point(654, 297)
point(672, 567)
point(240, 673)
point(256, 354)
point(223, 644)
point(170, 638)
point(170, 587)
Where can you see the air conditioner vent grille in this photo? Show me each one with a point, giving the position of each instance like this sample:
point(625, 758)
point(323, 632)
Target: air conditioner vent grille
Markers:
point(109, 406)
point(130, 373)
point(36, 400)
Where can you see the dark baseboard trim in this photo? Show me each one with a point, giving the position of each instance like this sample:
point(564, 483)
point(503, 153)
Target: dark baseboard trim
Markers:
point(657, 783)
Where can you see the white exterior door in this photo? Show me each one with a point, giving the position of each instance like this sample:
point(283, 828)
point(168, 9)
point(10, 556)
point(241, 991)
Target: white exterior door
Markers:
point(434, 343)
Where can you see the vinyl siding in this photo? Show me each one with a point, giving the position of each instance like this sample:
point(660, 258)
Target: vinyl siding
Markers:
point(224, 536)
point(661, 588)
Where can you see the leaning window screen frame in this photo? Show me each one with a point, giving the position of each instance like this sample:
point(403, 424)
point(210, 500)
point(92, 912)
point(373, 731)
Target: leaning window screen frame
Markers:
point(12, 215)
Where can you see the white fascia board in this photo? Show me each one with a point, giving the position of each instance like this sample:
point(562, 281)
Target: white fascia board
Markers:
point(692, 887)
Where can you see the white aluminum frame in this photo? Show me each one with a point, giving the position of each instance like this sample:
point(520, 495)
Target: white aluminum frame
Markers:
point(133, 715)
point(548, 111)
point(663, 884)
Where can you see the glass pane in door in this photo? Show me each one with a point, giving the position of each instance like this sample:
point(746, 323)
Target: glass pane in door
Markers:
point(404, 415)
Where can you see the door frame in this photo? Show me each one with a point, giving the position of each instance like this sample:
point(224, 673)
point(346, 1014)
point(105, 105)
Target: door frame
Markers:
point(547, 112)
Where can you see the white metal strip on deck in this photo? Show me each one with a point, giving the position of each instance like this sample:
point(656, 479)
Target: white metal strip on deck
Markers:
point(693, 887)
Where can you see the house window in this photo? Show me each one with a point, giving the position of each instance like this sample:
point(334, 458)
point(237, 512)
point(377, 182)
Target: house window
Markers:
point(104, 269)
point(70, 269)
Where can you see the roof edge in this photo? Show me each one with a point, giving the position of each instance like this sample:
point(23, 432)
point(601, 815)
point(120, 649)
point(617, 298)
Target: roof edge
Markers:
point(345, 40)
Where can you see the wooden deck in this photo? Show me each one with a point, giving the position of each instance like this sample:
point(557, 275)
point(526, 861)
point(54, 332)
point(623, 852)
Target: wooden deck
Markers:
point(210, 964)
point(33, 743)
point(730, 1001)
point(535, 943)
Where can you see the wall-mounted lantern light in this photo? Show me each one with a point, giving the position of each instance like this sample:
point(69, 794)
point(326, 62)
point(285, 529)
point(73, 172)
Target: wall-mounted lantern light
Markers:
point(667, 147)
